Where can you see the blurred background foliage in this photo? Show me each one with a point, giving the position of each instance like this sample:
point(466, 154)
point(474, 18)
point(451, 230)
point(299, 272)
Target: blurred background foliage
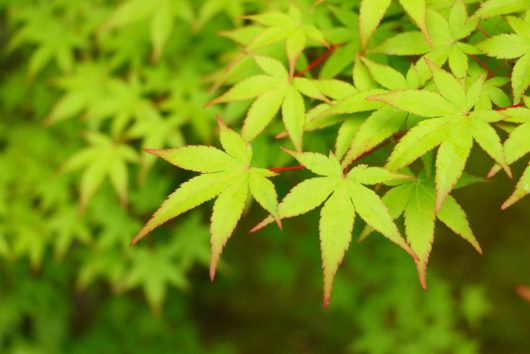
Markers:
point(85, 85)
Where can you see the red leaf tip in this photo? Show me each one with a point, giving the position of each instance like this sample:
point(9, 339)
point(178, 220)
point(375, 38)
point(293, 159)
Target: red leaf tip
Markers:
point(150, 150)
point(326, 302)
point(279, 223)
point(220, 121)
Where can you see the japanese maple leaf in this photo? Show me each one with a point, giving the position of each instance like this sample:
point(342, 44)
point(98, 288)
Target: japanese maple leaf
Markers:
point(415, 200)
point(516, 147)
point(293, 27)
point(226, 175)
point(103, 158)
point(276, 91)
point(451, 123)
point(360, 133)
point(161, 15)
point(371, 13)
point(342, 195)
point(446, 41)
point(512, 46)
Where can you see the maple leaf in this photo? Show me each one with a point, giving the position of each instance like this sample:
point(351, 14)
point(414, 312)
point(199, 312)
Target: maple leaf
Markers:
point(291, 27)
point(516, 147)
point(58, 42)
point(492, 8)
point(359, 134)
point(415, 200)
point(103, 158)
point(160, 13)
point(153, 270)
point(447, 41)
point(343, 195)
point(226, 175)
point(450, 124)
point(512, 46)
point(371, 13)
point(274, 91)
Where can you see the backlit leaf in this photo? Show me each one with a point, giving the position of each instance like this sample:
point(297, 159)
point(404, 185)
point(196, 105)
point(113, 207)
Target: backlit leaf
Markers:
point(336, 224)
point(422, 103)
point(227, 210)
point(370, 14)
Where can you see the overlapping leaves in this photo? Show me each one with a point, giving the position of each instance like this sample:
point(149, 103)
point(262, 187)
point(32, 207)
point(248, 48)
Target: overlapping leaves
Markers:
point(415, 200)
point(450, 123)
point(343, 196)
point(226, 175)
point(512, 46)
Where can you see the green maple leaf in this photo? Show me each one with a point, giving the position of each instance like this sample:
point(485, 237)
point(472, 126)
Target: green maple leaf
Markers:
point(357, 136)
point(153, 270)
point(384, 121)
point(347, 33)
point(155, 130)
point(58, 42)
point(67, 228)
point(274, 91)
point(512, 46)
point(291, 27)
point(83, 87)
point(160, 13)
point(106, 264)
point(226, 175)
point(371, 13)
point(235, 9)
point(447, 43)
point(450, 123)
point(415, 200)
point(516, 147)
point(343, 195)
point(493, 94)
point(492, 8)
point(103, 158)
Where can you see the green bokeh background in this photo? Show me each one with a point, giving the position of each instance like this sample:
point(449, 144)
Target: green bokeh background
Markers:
point(69, 283)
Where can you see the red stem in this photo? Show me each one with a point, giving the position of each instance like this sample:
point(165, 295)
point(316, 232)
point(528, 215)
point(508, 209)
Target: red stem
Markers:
point(288, 168)
point(395, 137)
point(320, 59)
point(483, 31)
point(484, 66)
point(512, 106)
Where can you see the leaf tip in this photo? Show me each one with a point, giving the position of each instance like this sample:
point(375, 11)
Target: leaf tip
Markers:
point(422, 274)
point(211, 103)
point(492, 172)
point(140, 235)
point(279, 223)
point(261, 224)
point(440, 199)
point(220, 122)
point(508, 171)
point(326, 301)
point(214, 260)
point(151, 151)
point(508, 203)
